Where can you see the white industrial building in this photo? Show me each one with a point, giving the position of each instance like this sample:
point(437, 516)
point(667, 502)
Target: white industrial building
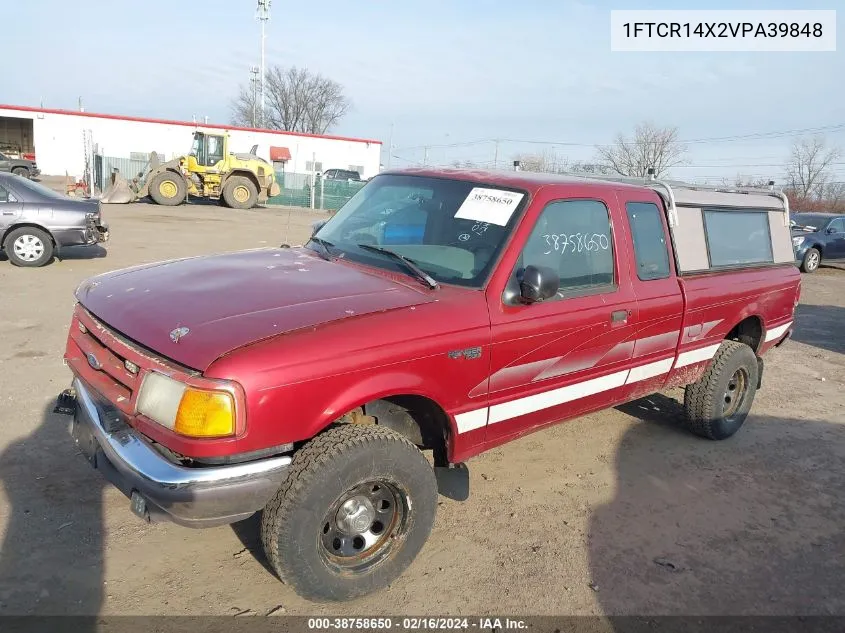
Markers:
point(62, 141)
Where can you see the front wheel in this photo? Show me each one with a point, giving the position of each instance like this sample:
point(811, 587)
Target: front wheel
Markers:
point(353, 513)
point(718, 403)
point(21, 171)
point(168, 188)
point(811, 261)
point(240, 193)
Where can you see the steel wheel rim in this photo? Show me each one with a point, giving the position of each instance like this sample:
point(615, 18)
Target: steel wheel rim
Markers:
point(735, 393)
point(168, 189)
point(241, 193)
point(362, 527)
point(812, 260)
point(28, 248)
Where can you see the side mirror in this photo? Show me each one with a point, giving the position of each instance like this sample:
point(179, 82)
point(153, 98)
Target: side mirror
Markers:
point(831, 230)
point(316, 226)
point(538, 283)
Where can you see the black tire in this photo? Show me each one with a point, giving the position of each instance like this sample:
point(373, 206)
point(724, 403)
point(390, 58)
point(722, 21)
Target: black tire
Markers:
point(240, 192)
point(168, 188)
point(34, 249)
point(21, 171)
point(811, 261)
point(718, 403)
point(336, 463)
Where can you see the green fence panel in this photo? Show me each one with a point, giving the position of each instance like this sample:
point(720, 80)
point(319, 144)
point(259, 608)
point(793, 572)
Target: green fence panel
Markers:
point(329, 195)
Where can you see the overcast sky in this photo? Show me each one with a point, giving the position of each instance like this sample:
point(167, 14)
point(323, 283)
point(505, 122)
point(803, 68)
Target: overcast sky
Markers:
point(441, 72)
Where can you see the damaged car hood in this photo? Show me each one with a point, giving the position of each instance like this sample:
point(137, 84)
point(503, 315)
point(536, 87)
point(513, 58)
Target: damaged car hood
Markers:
point(195, 310)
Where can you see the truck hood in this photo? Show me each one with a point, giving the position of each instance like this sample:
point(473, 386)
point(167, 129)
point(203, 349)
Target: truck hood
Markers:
point(223, 302)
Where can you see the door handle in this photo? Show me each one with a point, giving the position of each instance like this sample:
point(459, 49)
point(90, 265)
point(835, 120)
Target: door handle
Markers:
point(619, 316)
point(8, 213)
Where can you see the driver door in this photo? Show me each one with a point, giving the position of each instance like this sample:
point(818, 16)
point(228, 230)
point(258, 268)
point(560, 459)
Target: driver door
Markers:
point(214, 153)
point(568, 355)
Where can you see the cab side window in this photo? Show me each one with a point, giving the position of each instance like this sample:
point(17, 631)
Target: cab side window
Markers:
point(838, 225)
point(574, 238)
point(649, 240)
point(5, 196)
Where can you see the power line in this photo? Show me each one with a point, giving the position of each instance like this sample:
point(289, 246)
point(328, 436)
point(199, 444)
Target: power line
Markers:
point(711, 139)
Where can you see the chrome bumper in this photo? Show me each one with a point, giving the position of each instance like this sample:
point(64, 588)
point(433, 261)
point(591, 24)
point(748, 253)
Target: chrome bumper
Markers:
point(161, 490)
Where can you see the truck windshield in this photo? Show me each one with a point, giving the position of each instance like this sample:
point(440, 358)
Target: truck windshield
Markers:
point(451, 229)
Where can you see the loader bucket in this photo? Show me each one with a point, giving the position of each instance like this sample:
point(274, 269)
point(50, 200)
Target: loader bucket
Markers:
point(118, 192)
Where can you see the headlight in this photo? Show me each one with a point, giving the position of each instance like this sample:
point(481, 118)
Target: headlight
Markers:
point(798, 241)
point(185, 409)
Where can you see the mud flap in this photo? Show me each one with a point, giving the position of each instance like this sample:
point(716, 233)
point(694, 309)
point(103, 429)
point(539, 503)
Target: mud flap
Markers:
point(759, 373)
point(453, 481)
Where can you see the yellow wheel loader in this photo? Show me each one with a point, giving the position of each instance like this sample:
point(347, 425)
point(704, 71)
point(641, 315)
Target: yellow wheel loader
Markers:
point(240, 181)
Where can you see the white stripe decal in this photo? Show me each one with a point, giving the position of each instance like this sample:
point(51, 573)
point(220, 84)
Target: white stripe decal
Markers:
point(478, 418)
point(697, 355)
point(777, 332)
point(540, 401)
point(651, 370)
point(471, 420)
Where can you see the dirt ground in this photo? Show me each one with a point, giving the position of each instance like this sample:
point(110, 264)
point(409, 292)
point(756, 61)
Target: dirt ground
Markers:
point(620, 512)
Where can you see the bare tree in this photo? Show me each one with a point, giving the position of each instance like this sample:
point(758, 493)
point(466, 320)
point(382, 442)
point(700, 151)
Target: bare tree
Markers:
point(549, 162)
point(243, 107)
point(296, 100)
point(651, 147)
point(757, 182)
point(808, 167)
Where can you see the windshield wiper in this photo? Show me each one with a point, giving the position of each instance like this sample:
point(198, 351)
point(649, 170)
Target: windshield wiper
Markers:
point(419, 273)
point(325, 253)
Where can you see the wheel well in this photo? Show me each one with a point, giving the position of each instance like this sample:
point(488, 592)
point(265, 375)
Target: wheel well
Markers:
point(418, 418)
point(15, 227)
point(748, 331)
point(245, 173)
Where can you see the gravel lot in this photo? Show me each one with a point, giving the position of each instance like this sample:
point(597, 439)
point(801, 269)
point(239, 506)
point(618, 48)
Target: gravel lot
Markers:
point(617, 513)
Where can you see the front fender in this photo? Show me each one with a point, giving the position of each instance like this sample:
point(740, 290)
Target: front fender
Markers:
point(373, 387)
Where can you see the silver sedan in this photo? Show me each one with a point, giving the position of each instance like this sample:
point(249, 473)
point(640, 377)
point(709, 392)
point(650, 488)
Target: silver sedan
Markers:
point(35, 221)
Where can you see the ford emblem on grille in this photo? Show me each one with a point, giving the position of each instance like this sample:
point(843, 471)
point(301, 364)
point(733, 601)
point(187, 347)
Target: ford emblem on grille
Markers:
point(178, 333)
point(94, 361)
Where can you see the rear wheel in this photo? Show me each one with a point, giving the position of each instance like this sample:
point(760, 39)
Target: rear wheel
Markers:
point(355, 510)
point(168, 188)
point(811, 261)
point(21, 171)
point(240, 192)
point(29, 247)
point(718, 403)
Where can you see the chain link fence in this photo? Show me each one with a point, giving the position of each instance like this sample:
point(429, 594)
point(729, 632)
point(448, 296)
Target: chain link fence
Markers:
point(313, 192)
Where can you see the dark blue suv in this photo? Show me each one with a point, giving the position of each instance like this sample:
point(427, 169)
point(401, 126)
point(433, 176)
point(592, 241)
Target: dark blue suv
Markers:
point(817, 237)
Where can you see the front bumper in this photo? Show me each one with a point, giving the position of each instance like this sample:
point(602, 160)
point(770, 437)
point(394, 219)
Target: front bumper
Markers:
point(157, 488)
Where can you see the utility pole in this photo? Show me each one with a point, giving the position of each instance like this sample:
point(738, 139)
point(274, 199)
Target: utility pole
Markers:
point(390, 145)
point(496, 155)
point(425, 157)
point(263, 16)
point(253, 80)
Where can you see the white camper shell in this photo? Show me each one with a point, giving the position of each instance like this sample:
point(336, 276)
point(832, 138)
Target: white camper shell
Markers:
point(716, 228)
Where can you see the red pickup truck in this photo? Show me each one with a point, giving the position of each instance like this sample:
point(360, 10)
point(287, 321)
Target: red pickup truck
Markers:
point(438, 314)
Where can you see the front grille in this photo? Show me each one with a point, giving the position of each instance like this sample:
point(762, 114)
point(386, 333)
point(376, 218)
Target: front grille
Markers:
point(110, 363)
